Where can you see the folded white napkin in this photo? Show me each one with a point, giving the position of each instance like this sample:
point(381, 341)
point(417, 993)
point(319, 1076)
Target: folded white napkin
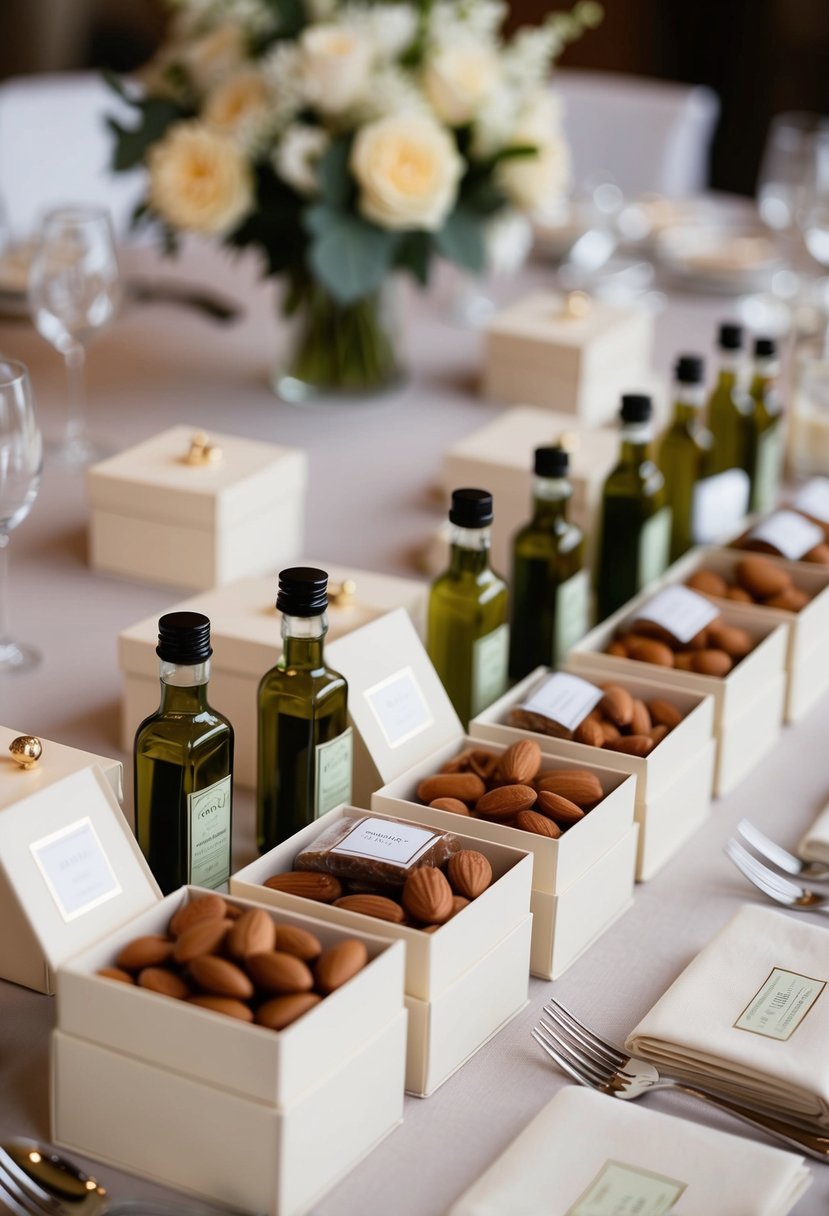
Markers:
point(587, 1154)
point(750, 1015)
point(815, 843)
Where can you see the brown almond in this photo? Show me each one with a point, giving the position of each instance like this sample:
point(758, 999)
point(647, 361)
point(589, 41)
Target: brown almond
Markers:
point(218, 977)
point(253, 933)
point(338, 964)
point(204, 907)
point(609, 732)
point(683, 660)
point(616, 704)
point(578, 784)
point(520, 762)
point(466, 787)
point(699, 641)
point(290, 939)
point(458, 904)
point(539, 825)
point(372, 905)
point(115, 973)
point(707, 582)
point(618, 648)
point(282, 1010)
point(224, 1004)
point(427, 895)
point(159, 979)
point(589, 732)
point(430, 928)
point(483, 763)
point(734, 641)
point(761, 578)
point(640, 722)
point(525, 719)
point(561, 809)
point(506, 801)
point(820, 555)
point(278, 971)
point(453, 805)
point(739, 595)
point(324, 888)
point(204, 937)
point(469, 872)
point(144, 952)
point(631, 745)
point(657, 733)
point(663, 713)
point(234, 912)
point(790, 600)
point(711, 662)
point(459, 763)
point(647, 650)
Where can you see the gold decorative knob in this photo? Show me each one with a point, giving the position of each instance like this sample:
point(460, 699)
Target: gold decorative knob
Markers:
point(569, 442)
point(26, 750)
point(202, 451)
point(342, 594)
point(576, 305)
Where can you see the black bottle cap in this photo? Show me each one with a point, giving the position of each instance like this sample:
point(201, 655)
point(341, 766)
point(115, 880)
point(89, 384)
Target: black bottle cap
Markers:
point(471, 508)
point(690, 369)
point(551, 462)
point(731, 336)
point(636, 407)
point(765, 348)
point(184, 638)
point(303, 591)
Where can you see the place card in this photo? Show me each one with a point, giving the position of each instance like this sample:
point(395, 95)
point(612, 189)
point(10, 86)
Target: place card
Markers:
point(781, 1004)
point(789, 533)
point(565, 699)
point(75, 869)
point(400, 707)
point(680, 611)
point(625, 1190)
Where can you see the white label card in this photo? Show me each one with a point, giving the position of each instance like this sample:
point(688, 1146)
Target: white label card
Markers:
point(400, 707)
point(76, 869)
point(679, 610)
point(385, 840)
point(209, 828)
point(719, 505)
point(789, 533)
point(333, 771)
point(572, 614)
point(626, 1190)
point(564, 698)
point(813, 498)
point(781, 1004)
point(490, 659)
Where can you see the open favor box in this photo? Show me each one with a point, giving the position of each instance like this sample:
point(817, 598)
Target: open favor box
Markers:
point(155, 516)
point(56, 762)
point(246, 635)
point(672, 784)
point(464, 982)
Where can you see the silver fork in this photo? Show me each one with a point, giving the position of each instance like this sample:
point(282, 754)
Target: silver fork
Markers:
point(769, 850)
point(599, 1064)
point(781, 890)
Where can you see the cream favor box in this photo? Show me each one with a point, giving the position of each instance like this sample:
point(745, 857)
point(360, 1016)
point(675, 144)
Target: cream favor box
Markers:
point(56, 762)
point(246, 635)
point(541, 352)
point(155, 515)
point(673, 782)
point(258, 1120)
point(463, 982)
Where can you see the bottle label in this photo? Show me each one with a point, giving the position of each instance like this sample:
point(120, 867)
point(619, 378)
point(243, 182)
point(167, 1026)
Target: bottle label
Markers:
point(622, 1190)
point(679, 610)
point(564, 698)
point(780, 1006)
point(490, 657)
point(789, 533)
point(766, 470)
point(654, 547)
point(572, 611)
point(384, 840)
point(208, 817)
point(76, 869)
point(813, 499)
point(719, 505)
point(400, 707)
point(333, 772)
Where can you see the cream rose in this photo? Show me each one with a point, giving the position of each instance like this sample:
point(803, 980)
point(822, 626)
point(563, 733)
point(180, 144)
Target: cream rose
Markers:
point(335, 64)
point(459, 78)
point(199, 180)
point(214, 55)
point(238, 104)
point(408, 169)
point(535, 182)
point(298, 154)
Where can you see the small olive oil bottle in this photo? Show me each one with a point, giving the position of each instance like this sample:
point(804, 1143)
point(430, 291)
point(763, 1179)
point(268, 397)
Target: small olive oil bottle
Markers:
point(183, 765)
point(550, 590)
point(467, 630)
point(304, 753)
point(685, 451)
point(635, 529)
point(767, 445)
point(729, 406)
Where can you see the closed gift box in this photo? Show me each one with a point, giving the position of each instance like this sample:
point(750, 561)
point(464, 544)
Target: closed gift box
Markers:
point(154, 516)
point(462, 982)
point(246, 635)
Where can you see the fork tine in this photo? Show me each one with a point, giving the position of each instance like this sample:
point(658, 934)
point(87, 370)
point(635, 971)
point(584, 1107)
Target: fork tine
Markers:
point(596, 1073)
point(563, 1064)
point(11, 1199)
point(769, 849)
point(787, 888)
point(756, 875)
point(26, 1186)
point(577, 1043)
point(609, 1052)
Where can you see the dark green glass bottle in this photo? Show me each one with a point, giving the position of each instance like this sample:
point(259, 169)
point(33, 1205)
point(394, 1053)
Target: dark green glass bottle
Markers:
point(550, 591)
point(635, 528)
point(467, 631)
point(767, 433)
point(183, 765)
point(729, 407)
point(304, 741)
point(685, 451)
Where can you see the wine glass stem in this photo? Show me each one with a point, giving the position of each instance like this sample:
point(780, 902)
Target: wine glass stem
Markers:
point(76, 382)
point(5, 633)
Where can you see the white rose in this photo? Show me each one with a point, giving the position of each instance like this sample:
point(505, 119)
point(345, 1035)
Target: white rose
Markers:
point(458, 79)
point(214, 55)
point(199, 180)
point(238, 105)
point(335, 65)
point(535, 182)
point(296, 158)
point(408, 169)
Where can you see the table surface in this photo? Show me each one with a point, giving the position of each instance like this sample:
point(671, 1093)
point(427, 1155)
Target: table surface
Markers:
point(371, 502)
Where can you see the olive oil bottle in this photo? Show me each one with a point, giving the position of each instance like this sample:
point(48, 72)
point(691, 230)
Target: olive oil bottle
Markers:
point(467, 630)
point(635, 528)
point(767, 431)
point(183, 765)
point(550, 589)
point(304, 753)
point(685, 452)
point(729, 407)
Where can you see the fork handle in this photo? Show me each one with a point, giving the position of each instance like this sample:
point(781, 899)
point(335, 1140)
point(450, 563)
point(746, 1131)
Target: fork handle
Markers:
point(811, 1143)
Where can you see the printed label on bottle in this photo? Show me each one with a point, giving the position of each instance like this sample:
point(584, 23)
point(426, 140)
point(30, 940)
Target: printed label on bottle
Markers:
point(719, 505)
point(789, 533)
point(681, 611)
point(654, 547)
point(813, 498)
point(333, 772)
point(380, 839)
point(208, 814)
point(76, 869)
point(766, 470)
point(572, 611)
point(781, 1004)
point(400, 707)
point(625, 1190)
point(490, 656)
point(564, 698)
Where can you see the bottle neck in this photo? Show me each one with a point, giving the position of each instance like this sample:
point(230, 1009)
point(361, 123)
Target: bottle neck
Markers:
point(636, 438)
point(469, 551)
point(550, 497)
point(731, 366)
point(688, 402)
point(765, 373)
point(302, 640)
point(183, 687)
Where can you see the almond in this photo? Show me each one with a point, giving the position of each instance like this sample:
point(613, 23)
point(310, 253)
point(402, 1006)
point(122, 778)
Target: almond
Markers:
point(561, 809)
point(683, 661)
point(144, 952)
point(657, 733)
point(790, 600)
point(711, 662)
point(739, 595)
point(115, 973)
point(707, 582)
point(539, 825)
point(663, 713)
point(578, 784)
point(609, 732)
point(427, 895)
point(469, 872)
point(325, 888)
point(819, 554)
point(224, 1004)
point(290, 939)
point(278, 971)
point(699, 641)
point(520, 762)
point(525, 719)
point(506, 801)
point(253, 933)
point(453, 805)
point(336, 965)
point(761, 578)
point(483, 763)
point(282, 1010)
point(647, 650)
point(372, 905)
point(158, 979)
point(589, 732)
point(618, 648)
point(734, 641)
point(458, 904)
point(204, 907)
point(459, 763)
point(204, 937)
point(640, 722)
point(218, 977)
point(631, 745)
point(466, 787)
point(617, 704)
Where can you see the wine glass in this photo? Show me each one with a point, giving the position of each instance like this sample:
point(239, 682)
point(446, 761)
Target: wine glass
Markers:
point(21, 460)
point(74, 290)
point(785, 168)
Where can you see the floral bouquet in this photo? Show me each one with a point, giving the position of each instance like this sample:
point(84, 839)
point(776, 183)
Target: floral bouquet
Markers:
point(346, 140)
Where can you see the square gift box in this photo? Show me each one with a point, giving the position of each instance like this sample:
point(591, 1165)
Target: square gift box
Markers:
point(156, 517)
point(56, 762)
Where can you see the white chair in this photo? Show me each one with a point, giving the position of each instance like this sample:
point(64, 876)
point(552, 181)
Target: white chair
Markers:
point(644, 135)
point(55, 148)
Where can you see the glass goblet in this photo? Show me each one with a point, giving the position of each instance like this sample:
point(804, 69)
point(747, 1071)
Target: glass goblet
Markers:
point(21, 460)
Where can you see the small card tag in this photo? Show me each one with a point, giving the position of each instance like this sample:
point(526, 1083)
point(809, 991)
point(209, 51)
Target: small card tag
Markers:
point(781, 1004)
point(333, 772)
point(75, 868)
point(564, 698)
point(789, 533)
point(625, 1190)
point(386, 840)
point(400, 707)
point(720, 503)
point(813, 499)
point(679, 610)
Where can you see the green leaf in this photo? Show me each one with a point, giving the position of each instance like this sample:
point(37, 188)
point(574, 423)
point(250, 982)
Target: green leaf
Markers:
point(132, 143)
point(113, 81)
point(318, 218)
point(414, 254)
point(515, 150)
point(291, 16)
point(274, 224)
point(461, 240)
point(351, 257)
point(336, 186)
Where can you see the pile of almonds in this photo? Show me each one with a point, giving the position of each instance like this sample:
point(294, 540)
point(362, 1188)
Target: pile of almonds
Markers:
point(430, 896)
point(240, 963)
point(819, 554)
point(758, 581)
point(711, 652)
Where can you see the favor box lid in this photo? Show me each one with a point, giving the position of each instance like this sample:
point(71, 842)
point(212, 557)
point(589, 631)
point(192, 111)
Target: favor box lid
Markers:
point(56, 762)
